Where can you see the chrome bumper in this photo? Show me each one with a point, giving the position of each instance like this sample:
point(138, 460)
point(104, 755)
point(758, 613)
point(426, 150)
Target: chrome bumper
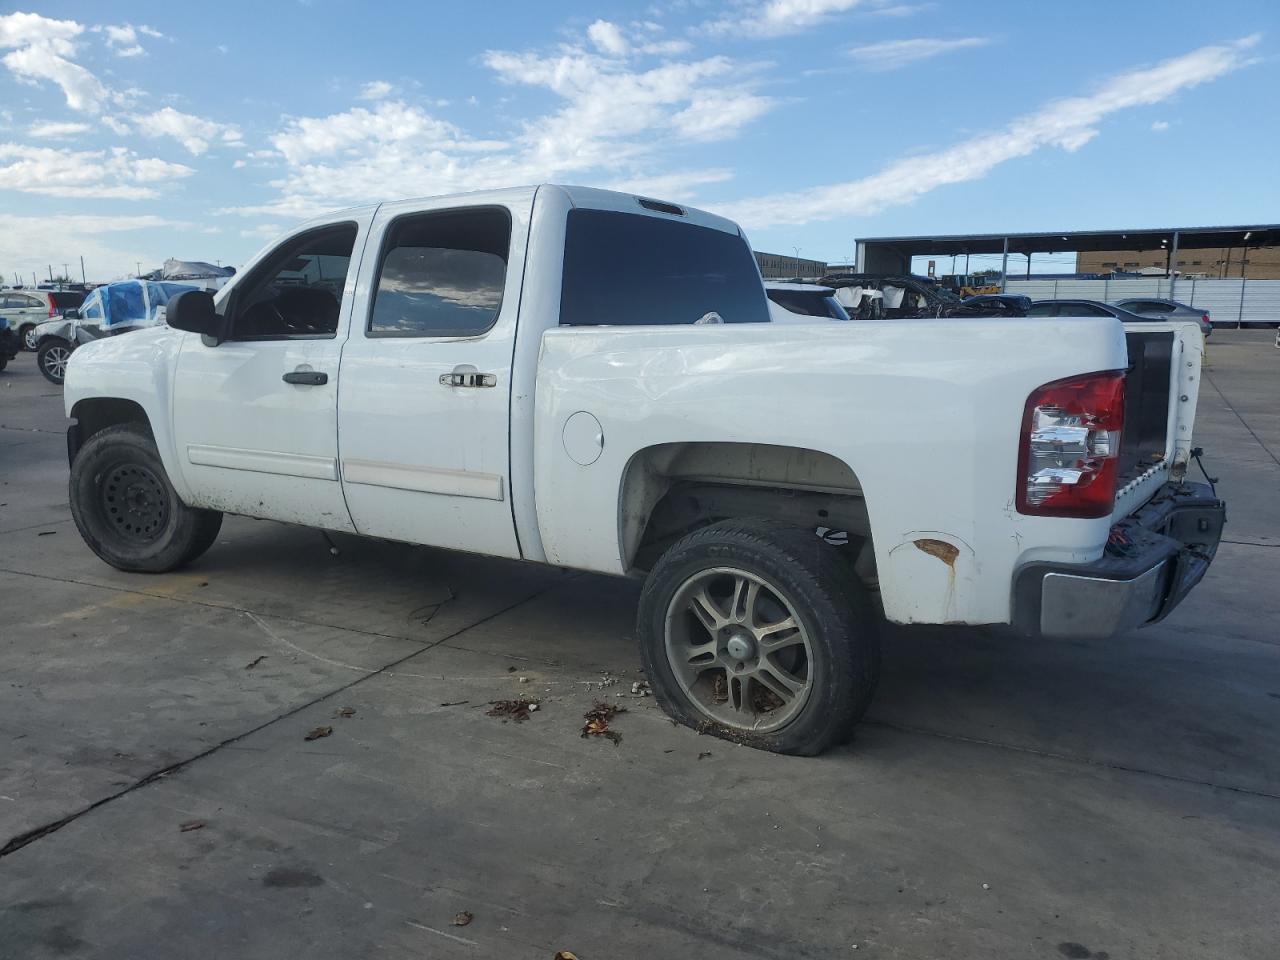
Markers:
point(1152, 561)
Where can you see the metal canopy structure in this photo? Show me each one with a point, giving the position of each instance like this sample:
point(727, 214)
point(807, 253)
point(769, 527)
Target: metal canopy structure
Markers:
point(893, 254)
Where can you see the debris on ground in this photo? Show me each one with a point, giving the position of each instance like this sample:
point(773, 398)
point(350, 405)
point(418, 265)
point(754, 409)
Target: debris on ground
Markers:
point(704, 754)
point(254, 662)
point(641, 688)
point(345, 712)
point(190, 825)
point(719, 691)
point(607, 679)
point(524, 679)
point(597, 721)
point(511, 669)
point(517, 710)
point(565, 955)
point(46, 533)
point(454, 703)
point(318, 733)
point(462, 918)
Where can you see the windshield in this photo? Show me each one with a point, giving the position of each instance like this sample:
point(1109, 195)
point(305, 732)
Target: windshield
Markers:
point(626, 268)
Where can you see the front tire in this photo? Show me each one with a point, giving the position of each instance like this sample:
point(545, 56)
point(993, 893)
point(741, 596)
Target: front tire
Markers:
point(757, 632)
point(52, 357)
point(127, 511)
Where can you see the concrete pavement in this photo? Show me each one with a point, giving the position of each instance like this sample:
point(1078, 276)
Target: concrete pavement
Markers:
point(1005, 798)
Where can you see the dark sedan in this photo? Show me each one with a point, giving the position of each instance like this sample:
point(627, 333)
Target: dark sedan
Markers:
point(1154, 308)
point(1092, 307)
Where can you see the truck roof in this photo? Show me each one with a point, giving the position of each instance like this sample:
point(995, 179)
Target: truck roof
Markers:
point(592, 198)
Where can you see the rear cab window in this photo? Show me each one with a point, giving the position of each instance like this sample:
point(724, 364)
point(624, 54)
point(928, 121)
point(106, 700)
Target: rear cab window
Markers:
point(629, 269)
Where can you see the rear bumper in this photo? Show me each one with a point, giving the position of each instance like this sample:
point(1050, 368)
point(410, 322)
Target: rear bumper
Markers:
point(1151, 562)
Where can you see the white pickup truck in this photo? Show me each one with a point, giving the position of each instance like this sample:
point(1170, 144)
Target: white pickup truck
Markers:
point(590, 379)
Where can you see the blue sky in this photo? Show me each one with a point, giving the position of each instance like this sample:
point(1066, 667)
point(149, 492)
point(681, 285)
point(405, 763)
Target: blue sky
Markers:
point(136, 131)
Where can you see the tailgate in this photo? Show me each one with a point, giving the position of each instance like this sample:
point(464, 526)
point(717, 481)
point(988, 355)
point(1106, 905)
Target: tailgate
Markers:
point(1161, 388)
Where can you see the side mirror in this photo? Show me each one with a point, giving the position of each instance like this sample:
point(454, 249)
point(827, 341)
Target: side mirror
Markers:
point(192, 310)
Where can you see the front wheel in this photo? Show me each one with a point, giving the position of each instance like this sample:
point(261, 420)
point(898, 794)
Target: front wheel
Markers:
point(758, 632)
point(52, 357)
point(126, 509)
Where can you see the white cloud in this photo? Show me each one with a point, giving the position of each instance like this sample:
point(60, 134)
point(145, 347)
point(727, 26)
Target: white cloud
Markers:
point(263, 231)
point(1069, 123)
point(774, 18)
point(608, 38)
point(1159, 126)
point(194, 133)
point(30, 243)
point(41, 49)
point(117, 173)
point(375, 90)
point(901, 9)
point(895, 54)
point(57, 131)
point(677, 185)
point(122, 38)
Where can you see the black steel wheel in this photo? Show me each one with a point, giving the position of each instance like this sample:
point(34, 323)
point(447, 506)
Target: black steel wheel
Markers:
point(127, 511)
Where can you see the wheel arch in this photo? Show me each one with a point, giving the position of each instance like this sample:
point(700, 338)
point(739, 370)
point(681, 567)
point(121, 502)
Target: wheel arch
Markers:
point(669, 489)
point(94, 414)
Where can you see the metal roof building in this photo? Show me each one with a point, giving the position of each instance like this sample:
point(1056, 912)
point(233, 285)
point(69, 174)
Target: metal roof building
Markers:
point(893, 254)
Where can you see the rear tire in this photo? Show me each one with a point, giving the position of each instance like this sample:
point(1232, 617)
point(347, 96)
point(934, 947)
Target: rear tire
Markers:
point(52, 357)
point(127, 511)
point(27, 334)
point(733, 667)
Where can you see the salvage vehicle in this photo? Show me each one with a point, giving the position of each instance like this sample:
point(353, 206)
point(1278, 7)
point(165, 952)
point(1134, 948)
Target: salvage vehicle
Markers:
point(1167, 310)
point(26, 308)
point(590, 380)
point(10, 345)
point(1000, 304)
point(1097, 308)
point(108, 310)
point(802, 302)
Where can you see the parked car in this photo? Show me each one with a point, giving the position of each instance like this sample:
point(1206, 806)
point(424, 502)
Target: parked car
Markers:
point(802, 302)
point(510, 386)
point(1153, 307)
point(10, 345)
point(1083, 308)
point(1000, 304)
point(26, 309)
point(108, 310)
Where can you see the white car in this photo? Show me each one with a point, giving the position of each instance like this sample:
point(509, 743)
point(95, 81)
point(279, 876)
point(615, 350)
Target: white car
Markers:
point(802, 302)
point(522, 373)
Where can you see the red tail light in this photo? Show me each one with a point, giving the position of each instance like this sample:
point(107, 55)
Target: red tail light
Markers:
point(1070, 442)
point(52, 310)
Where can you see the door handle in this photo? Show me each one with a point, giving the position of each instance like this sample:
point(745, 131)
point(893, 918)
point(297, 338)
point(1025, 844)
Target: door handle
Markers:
point(468, 379)
point(306, 378)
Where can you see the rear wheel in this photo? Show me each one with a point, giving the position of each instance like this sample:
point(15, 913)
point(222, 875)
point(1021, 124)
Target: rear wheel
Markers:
point(757, 632)
point(126, 509)
point(52, 357)
point(28, 334)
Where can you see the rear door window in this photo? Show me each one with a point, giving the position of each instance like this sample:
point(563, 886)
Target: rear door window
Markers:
point(1043, 310)
point(625, 269)
point(442, 274)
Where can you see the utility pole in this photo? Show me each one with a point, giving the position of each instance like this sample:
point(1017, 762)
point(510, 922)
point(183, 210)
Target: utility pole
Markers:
point(51, 273)
point(83, 278)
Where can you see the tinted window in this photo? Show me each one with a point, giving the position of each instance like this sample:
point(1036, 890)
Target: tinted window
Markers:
point(623, 268)
point(297, 290)
point(1043, 310)
point(808, 304)
point(66, 300)
point(442, 274)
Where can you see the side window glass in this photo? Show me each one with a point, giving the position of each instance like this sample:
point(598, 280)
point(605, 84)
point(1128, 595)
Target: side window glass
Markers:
point(297, 290)
point(442, 274)
point(1041, 310)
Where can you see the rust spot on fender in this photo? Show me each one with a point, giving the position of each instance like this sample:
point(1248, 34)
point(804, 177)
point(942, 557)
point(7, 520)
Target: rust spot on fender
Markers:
point(940, 549)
